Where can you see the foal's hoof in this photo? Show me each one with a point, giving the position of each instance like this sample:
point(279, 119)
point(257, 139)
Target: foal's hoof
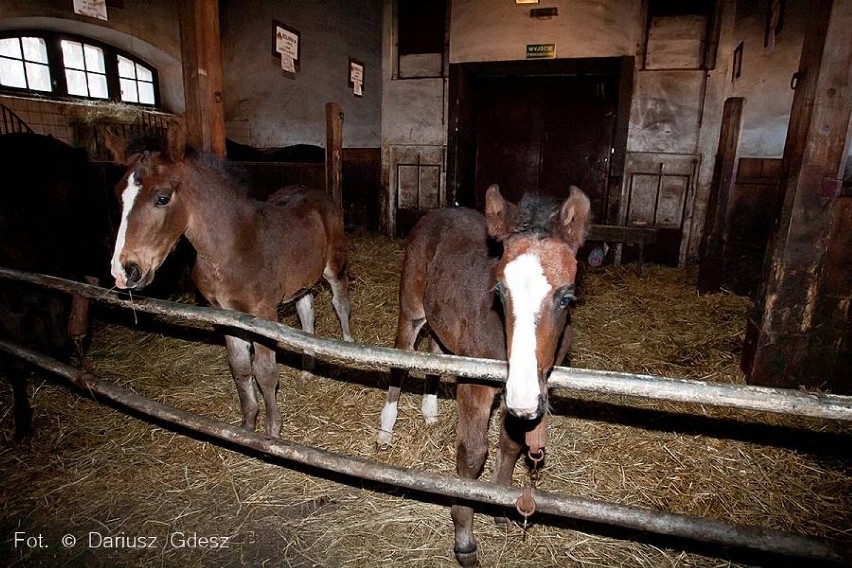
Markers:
point(306, 375)
point(502, 521)
point(467, 558)
point(384, 439)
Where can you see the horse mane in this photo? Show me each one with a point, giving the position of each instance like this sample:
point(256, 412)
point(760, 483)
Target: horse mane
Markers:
point(538, 214)
point(230, 174)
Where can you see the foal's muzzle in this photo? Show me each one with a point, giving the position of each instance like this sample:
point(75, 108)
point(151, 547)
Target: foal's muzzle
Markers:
point(529, 414)
point(134, 276)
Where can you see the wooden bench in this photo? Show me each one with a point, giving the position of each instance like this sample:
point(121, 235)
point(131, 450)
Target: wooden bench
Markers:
point(635, 236)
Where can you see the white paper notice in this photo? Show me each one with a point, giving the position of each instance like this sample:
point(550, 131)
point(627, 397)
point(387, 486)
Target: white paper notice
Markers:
point(286, 43)
point(356, 77)
point(92, 8)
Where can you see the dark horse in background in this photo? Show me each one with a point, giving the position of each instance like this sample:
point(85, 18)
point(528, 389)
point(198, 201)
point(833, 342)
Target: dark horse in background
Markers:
point(54, 219)
point(513, 306)
point(250, 256)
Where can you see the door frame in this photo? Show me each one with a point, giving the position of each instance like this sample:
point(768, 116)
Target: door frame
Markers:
point(462, 127)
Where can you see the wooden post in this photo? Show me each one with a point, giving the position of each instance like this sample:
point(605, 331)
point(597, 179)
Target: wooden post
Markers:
point(334, 151)
point(201, 51)
point(716, 219)
point(799, 332)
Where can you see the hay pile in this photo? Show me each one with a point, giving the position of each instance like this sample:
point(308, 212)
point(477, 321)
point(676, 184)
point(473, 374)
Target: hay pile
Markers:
point(93, 469)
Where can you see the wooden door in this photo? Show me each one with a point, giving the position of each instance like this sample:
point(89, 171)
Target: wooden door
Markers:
point(659, 189)
point(545, 134)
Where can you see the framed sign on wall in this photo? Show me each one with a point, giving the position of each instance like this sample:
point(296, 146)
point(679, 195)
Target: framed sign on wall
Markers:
point(356, 77)
point(286, 44)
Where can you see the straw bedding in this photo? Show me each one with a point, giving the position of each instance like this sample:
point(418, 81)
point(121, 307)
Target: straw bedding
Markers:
point(92, 470)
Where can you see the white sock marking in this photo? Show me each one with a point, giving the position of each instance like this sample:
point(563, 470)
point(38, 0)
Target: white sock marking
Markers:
point(527, 286)
point(388, 419)
point(128, 198)
point(429, 408)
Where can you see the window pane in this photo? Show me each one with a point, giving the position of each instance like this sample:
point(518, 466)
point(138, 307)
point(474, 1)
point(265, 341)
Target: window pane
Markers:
point(94, 58)
point(72, 53)
point(12, 73)
point(128, 91)
point(38, 77)
point(10, 47)
point(146, 93)
point(144, 73)
point(35, 49)
point(420, 26)
point(126, 68)
point(97, 86)
point(76, 83)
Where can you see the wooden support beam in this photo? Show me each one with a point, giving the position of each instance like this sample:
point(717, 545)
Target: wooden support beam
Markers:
point(796, 335)
point(710, 277)
point(334, 151)
point(201, 51)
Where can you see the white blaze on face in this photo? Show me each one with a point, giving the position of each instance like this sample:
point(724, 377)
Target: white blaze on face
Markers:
point(527, 287)
point(128, 198)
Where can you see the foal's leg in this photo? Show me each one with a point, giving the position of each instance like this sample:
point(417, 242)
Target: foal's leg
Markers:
point(265, 372)
point(429, 408)
point(335, 275)
point(17, 373)
point(406, 335)
point(239, 358)
point(508, 450)
point(474, 408)
point(305, 310)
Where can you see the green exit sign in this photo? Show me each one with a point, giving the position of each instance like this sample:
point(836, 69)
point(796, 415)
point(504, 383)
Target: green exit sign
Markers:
point(541, 51)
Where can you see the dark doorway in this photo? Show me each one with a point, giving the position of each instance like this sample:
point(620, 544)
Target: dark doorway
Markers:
point(536, 126)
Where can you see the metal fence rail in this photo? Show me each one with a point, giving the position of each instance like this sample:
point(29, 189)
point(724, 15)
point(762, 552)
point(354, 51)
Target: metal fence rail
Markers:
point(743, 397)
point(652, 387)
point(579, 508)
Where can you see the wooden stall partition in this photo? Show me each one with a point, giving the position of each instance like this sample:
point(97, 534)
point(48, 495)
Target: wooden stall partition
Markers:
point(361, 188)
point(716, 219)
point(798, 333)
point(753, 211)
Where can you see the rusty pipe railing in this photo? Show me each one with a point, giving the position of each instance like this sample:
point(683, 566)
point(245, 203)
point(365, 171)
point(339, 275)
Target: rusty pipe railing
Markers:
point(743, 397)
point(579, 508)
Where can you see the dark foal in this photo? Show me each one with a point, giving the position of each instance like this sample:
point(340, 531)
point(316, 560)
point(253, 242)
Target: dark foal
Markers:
point(515, 308)
point(251, 256)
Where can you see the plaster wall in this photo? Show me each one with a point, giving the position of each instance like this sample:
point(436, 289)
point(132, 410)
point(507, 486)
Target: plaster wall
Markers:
point(264, 108)
point(764, 81)
point(414, 111)
point(484, 30)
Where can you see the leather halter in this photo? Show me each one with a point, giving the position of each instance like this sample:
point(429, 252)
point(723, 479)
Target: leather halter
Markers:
point(536, 439)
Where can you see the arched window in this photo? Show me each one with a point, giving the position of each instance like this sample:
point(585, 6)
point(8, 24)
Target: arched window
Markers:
point(62, 65)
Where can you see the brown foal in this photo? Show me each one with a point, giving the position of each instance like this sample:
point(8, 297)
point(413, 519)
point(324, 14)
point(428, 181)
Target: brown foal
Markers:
point(251, 256)
point(511, 307)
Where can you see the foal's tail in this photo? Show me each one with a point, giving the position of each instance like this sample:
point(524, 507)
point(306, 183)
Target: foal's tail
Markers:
point(336, 266)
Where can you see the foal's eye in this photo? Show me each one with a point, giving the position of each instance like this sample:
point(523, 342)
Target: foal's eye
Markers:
point(500, 290)
point(566, 297)
point(162, 200)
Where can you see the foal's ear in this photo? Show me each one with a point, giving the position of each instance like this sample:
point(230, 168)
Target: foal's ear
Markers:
point(501, 215)
point(575, 218)
point(176, 141)
point(116, 145)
